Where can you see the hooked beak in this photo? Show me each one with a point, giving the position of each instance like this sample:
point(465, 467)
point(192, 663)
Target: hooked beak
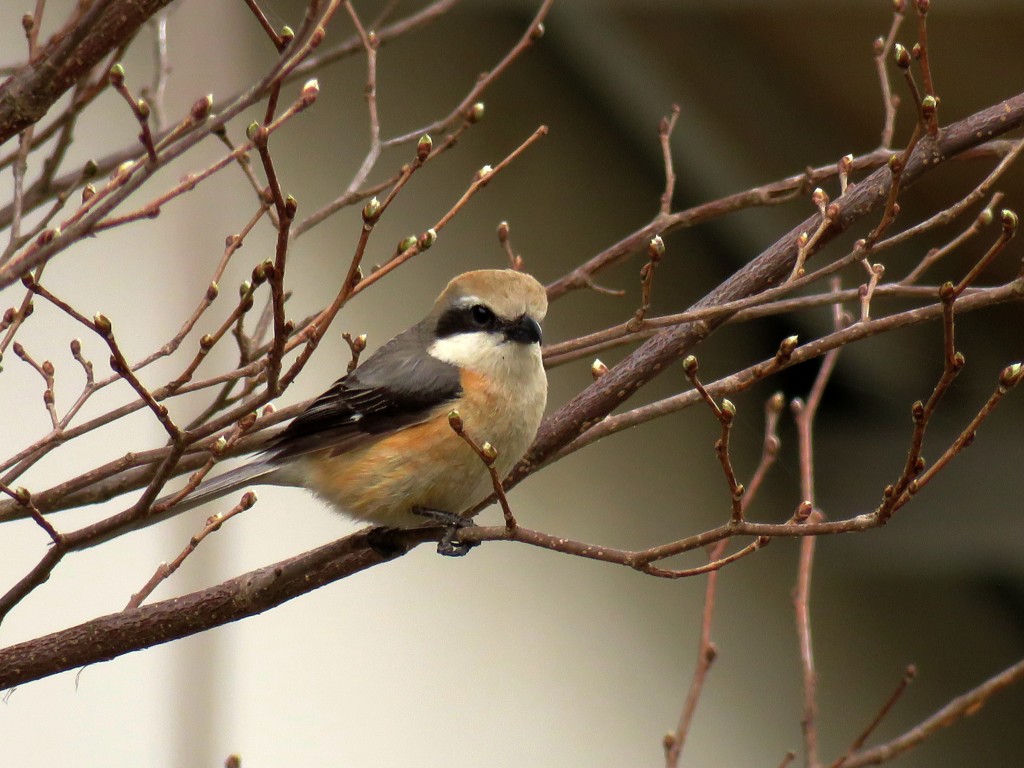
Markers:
point(525, 330)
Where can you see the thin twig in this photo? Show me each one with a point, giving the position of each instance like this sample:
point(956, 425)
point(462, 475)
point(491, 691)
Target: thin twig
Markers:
point(955, 710)
point(488, 455)
point(166, 569)
point(890, 101)
point(908, 676)
point(665, 129)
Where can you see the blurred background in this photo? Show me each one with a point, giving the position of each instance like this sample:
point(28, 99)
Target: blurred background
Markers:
point(514, 656)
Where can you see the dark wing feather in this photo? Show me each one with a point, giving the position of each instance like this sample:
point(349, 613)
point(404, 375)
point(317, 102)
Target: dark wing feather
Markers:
point(398, 386)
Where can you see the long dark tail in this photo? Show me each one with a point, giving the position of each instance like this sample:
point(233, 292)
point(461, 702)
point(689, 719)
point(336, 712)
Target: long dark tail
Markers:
point(262, 470)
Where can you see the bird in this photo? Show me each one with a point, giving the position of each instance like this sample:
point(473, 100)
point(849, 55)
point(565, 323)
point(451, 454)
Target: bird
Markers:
point(378, 445)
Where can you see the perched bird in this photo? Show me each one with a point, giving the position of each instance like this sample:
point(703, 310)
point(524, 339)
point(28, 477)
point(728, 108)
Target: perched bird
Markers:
point(378, 445)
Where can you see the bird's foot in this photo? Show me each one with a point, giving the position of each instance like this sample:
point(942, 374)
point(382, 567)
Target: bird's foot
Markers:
point(453, 523)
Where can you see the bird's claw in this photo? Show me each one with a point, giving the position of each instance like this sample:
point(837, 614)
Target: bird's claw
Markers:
point(453, 523)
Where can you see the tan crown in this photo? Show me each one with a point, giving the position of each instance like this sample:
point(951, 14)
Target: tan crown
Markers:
point(509, 294)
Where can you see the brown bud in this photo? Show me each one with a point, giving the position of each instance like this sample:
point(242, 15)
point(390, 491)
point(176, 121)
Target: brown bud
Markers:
point(902, 56)
point(728, 410)
point(116, 75)
point(201, 108)
point(427, 239)
point(423, 147)
point(803, 511)
point(656, 248)
point(1010, 376)
point(455, 422)
point(917, 410)
point(488, 453)
point(787, 347)
point(310, 91)
point(102, 323)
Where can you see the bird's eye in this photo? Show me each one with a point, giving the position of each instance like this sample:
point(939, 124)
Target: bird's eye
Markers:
point(481, 315)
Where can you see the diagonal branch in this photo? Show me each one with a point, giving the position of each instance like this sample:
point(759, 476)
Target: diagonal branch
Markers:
point(766, 270)
point(69, 55)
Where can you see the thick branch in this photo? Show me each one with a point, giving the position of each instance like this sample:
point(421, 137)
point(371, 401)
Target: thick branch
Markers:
point(768, 269)
point(69, 55)
point(113, 635)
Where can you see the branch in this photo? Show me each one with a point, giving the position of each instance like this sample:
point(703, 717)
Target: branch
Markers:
point(773, 265)
point(68, 57)
point(960, 707)
point(113, 635)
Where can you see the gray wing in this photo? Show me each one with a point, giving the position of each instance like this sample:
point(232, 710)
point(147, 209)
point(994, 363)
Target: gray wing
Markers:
point(398, 386)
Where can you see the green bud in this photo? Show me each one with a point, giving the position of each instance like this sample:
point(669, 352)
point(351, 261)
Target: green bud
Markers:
point(371, 211)
point(423, 147)
point(427, 239)
point(116, 75)
point(455, 421)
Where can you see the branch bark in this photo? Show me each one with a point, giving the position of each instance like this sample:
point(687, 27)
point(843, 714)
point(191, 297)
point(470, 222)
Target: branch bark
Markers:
point(769, 268)
point(113, 635)
point(68, 56)
point(107, 637)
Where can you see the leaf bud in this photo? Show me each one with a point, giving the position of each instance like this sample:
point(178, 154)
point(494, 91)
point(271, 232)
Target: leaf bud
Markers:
point(310, 91)
point(201, 108)
point(489, 453)
point(423, 147)
point(786, 348)
point(427, 239)
point(116, 75)
point(1009, 221)
point(371, 211)
point(455, 422)
point(902, 56)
